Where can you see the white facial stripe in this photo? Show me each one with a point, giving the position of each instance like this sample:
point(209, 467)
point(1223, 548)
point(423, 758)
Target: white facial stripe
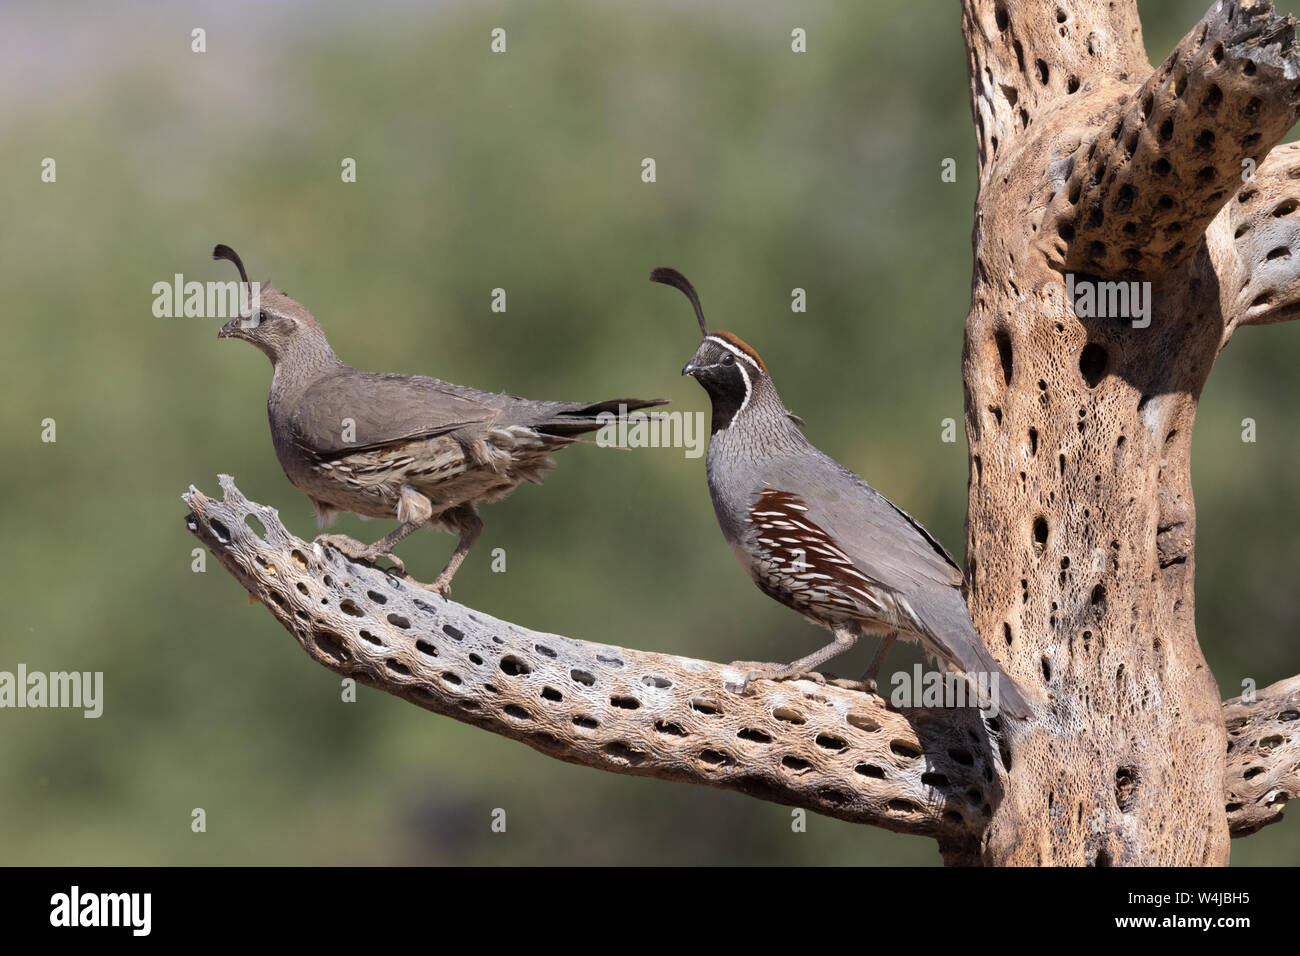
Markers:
point(748, 392)
point(733, 350)
point(749, 388)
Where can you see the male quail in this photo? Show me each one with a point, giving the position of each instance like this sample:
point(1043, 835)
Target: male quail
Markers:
point(408, 447)
point(815, 536)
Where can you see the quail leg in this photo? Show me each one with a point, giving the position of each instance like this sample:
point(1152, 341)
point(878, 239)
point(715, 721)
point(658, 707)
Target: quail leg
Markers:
point(470, 526)
point(869, 677)
point(844, 639)
point(359, 551)
point(413, 510)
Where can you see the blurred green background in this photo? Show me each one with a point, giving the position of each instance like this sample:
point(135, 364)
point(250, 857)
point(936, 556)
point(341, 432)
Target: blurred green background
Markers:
point(478, 171)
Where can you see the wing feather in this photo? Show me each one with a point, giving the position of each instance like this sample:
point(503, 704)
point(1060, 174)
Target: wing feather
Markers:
point(884, 541)
point(384, 410)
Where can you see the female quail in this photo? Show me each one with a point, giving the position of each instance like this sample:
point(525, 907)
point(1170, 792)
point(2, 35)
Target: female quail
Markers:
point(815, 536)
point(408, 447)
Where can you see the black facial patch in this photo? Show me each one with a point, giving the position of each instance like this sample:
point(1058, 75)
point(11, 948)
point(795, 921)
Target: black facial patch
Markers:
point(727, 389)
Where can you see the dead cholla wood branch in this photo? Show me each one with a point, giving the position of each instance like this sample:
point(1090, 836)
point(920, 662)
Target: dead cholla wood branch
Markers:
point(1261, 275)
point(1263, 755)
point(1081, 524)
point(1142, 188)
point(830, 749)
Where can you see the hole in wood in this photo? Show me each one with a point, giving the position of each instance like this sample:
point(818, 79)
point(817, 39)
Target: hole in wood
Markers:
point(1003, 339)
point(862, 721)
point(1126, 779)
point(331, 645)
point(622, 753)
point(1092, 364)
point(714, 758)
point(795, 765)
point(905, 748)
point(514, 666)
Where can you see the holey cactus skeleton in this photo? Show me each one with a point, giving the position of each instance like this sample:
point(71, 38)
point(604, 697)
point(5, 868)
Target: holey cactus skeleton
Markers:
point(1089, 162)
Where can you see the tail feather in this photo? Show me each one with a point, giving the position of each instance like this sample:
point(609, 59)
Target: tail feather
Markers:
point(577, 419)
point(953, 638)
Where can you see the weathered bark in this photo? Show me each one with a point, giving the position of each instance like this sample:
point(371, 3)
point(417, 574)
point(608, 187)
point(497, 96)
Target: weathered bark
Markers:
point(826, 747)
point(831, 748)
point(1263, 755)
point(1081, 523)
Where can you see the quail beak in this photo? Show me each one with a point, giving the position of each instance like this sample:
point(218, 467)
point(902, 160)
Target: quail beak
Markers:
point(232, 330)
point(691, 368)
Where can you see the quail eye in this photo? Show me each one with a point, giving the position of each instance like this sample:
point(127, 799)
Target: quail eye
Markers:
point(262, 316)
point(728, 359)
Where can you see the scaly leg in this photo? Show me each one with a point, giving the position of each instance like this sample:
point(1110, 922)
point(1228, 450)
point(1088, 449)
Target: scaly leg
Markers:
point(413, 510)
point(869, 678)
point(471, 526)
point(844, 638)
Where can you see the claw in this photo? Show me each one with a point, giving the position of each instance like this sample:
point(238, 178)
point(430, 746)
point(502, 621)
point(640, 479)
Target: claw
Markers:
point(440, 587)
point(350, 547)
point(757, 670)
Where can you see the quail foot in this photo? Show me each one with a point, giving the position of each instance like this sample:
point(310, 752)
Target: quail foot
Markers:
point(420, 450)
point(819, 539)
